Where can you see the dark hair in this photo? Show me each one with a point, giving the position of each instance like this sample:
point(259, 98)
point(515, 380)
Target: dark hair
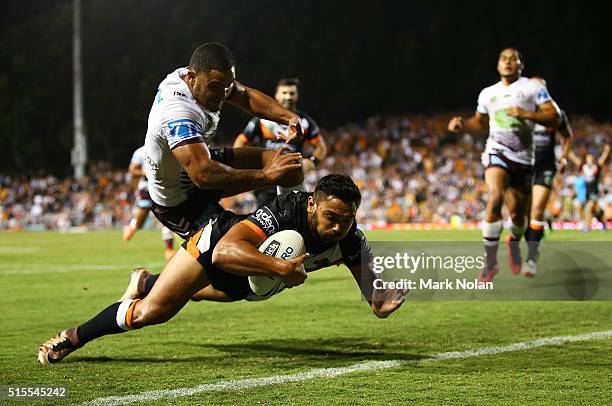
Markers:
point(212, 56)
point(288, 82)
point(339, 186)
point(518, 53)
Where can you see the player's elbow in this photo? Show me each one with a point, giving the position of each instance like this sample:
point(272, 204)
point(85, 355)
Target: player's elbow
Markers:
point(222, 255)
point(201, 181)
point(292, 178)
point(201, 176)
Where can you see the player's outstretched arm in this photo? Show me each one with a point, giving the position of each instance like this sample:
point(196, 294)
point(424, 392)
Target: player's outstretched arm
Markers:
point(320, 151)
point(136, 169)
point(546, 114)
point(206, 173)
point(567, 137)
point(261, 105)
point(575, 159)
point(386, 301)
point(604, 155)
point(237, 253)
point(476, 124)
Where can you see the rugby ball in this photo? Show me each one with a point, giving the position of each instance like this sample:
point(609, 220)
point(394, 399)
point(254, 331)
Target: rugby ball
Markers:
point(286, 244)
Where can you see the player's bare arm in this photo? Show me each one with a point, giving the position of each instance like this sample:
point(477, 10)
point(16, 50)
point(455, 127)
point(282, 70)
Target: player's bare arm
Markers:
point(476, 124)
point(136, 169)
point(382, 301)
point(237, 253)
point(604, 155)
point(319, 153)
point(567, 136)
point(575, 159)
point(386, 301)
point(546, 114)
point(207, 173)
point(261, 105)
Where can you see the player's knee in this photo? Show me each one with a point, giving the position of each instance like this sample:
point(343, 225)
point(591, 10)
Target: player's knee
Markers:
point(147, 314)
point(537, 213)
point(496, 199)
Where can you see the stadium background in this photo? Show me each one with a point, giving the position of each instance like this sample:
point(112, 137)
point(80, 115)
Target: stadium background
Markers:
point(381, 79)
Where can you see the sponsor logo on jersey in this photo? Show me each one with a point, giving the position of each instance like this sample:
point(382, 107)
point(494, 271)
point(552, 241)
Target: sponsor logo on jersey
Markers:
point(505, 121)
point(266, 220)
point(151, 163)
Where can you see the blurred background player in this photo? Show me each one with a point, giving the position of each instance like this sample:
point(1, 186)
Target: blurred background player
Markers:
point(545, 169)
point(509, 109)
point(265, 133)
point(590, 171)
point(144, 203)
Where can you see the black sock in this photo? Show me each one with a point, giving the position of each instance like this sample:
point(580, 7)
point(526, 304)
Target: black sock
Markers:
point(533, 237)
point(104, 323)
point(149, 283)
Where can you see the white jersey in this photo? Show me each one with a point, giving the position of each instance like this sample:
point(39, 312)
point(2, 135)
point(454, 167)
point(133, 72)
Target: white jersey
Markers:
point(138, 158)
point(510, 136)
point(175, 117)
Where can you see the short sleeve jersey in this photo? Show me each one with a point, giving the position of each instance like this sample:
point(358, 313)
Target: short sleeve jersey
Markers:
point(288, 212)
point(175, 117)
point(508, 135)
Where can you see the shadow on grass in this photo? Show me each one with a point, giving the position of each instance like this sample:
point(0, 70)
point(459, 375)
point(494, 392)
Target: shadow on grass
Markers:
point(294, 352)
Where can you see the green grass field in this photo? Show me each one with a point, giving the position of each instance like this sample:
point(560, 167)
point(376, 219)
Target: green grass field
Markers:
point(50, 281)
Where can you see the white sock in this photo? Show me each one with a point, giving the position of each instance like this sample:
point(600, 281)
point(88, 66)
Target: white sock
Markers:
point(122, 312)
point(166, 234)
point(492, 231)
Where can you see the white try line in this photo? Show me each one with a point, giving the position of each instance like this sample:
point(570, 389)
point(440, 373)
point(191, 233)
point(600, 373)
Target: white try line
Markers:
point(18, 250)
point(241, 384)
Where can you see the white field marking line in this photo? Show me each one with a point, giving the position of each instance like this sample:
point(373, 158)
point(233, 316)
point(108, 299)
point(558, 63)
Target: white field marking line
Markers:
point(18, 250)
point(44, 269)
point(242, 384)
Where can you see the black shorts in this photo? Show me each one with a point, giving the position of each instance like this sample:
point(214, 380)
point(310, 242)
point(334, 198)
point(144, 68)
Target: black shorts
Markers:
point(520, 175)
point(545, 168)
point(592, 190)
point(223, 155)
point(235, 286)
point(186, 218)
point(201, 205)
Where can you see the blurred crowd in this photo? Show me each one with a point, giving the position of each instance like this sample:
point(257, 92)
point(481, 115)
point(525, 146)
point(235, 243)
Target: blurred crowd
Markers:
point(409, 169)
point(102, 199)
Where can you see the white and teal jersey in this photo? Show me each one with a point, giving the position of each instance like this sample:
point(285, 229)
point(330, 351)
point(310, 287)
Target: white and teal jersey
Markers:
point(175, 117)
point(138, 158)
point(508, 135)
